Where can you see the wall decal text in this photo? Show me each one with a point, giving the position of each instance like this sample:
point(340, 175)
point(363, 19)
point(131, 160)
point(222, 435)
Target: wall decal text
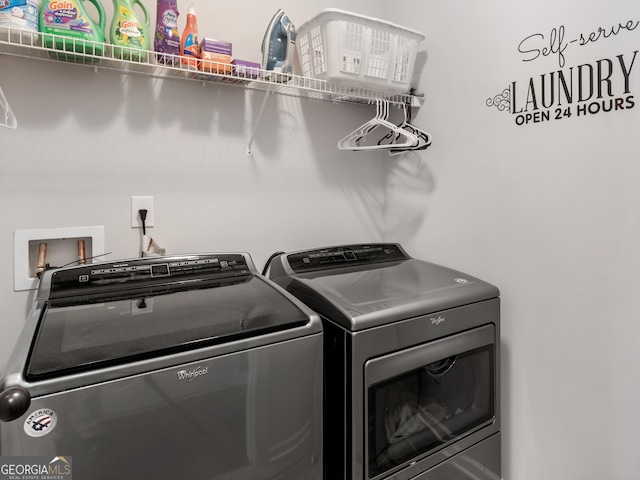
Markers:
point(603, 85)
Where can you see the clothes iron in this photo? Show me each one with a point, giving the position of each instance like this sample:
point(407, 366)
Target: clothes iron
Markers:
point(279, 44)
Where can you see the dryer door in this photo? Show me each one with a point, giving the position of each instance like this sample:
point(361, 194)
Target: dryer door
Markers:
point(422, 399)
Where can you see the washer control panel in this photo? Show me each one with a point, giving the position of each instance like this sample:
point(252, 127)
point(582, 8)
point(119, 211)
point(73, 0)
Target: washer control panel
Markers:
point(146, 270)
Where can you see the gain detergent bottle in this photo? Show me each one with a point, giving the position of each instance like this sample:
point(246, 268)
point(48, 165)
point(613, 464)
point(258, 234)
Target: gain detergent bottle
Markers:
point(65, 25)
point(128, 32)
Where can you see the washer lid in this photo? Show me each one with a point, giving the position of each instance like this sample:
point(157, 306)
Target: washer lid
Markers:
point(149, 319)
point(364, 286)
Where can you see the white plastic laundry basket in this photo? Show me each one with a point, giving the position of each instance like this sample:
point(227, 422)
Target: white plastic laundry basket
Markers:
point(345, 47)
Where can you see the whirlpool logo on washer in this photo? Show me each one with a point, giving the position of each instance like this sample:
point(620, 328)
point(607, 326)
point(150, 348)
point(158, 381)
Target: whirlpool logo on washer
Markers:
point(437, 320)
point(191, 375)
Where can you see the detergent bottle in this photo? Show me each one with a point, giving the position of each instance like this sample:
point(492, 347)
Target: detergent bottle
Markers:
point(167, 37)
point(19, 16)
point(129, 31)
point(190, 47)
point(74, 29)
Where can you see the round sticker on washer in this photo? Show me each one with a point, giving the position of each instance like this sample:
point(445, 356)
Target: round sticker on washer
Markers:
point(40, 422)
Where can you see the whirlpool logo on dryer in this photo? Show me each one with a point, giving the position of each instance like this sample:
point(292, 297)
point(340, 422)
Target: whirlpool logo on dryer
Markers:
point(191, 375)
point(437, 320)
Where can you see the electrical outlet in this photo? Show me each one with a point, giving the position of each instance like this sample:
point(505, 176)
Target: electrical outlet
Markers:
point(140, 203)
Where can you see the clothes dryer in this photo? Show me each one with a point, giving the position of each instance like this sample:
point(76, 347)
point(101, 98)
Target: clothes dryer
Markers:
point(412, 362)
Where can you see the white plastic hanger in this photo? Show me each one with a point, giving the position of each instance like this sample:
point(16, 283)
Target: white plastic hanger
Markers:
point(360, 133)
point(403, 137)
point(10, 120)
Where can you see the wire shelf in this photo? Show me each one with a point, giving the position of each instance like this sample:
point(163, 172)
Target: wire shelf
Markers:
point(103, 56)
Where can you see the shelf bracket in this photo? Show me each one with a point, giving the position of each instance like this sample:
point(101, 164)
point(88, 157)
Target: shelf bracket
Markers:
point(255, 128)
point(10, 120)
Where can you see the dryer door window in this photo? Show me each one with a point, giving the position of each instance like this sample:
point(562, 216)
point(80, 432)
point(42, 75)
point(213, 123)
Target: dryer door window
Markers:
point(432, 396)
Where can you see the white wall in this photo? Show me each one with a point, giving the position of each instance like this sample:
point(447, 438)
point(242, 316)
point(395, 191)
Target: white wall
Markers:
point(547, 212)
point(86, 142)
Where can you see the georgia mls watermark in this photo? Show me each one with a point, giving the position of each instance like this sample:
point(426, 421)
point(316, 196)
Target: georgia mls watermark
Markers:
point(35, 468)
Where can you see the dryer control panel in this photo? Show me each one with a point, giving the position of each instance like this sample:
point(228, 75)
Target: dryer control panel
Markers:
point(346, 255)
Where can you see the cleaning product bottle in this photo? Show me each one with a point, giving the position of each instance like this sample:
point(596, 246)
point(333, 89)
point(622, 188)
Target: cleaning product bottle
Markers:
point(167, 38)
point(67, 26)
point(189, 50)
point(19, 16)
point(129, 31)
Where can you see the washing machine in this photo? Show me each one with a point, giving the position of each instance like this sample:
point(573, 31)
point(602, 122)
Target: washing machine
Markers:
point(185, 366)
point(412, 362)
